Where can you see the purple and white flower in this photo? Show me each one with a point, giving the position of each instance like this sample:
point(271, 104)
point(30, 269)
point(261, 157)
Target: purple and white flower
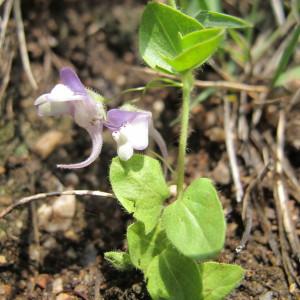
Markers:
point(71, 98)
point(131, 131)
point(130, 128)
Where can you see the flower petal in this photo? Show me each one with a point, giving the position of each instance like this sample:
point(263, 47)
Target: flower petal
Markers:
point(57, 102)
point(138, 132)
point(118, 117)
point(51, 109)
point(125, 151)
point(96, 135)
point(62, 93)
point(69, 78)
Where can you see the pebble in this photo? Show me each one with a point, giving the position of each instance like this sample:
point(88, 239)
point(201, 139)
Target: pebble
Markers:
point(3, 260)
point(48, 142)
point(65, 296)
point(5, 291)
point(5, 200)
point(2, 170)
point(58, 215)
point(57, 286)
point(266, 296)
point(221, 173)
point(42, 280)
point(71, 235)
point(137, 288)
point(216, 134)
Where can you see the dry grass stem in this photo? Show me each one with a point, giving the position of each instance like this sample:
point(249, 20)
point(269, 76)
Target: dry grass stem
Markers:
point(22, 43)
point(229, 135)
point(6, 78)
point(281, 190)
point(225, 85)
point(278, 11)
point(247, 213)
point(29, 199)
point(6, 15)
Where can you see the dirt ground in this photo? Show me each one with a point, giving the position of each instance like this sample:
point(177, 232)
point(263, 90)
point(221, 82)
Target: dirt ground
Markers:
point(99, 39)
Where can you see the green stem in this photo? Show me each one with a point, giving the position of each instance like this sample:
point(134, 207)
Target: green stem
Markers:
point(187, 86)
point(172, 3)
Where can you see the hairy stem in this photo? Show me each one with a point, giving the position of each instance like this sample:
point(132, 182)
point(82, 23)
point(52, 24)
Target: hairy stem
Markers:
point(187, 86)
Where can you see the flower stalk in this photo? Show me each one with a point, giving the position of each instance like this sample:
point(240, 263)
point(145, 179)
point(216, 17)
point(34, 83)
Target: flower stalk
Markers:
point(187, 86)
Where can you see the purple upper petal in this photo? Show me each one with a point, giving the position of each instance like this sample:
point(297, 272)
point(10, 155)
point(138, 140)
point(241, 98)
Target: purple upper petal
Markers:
point(69, 78)
point(117, 117)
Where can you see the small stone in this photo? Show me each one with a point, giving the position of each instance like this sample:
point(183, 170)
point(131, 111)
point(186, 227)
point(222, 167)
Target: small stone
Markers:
point(34, 252)
point(266, 296)
point(292, 288)
point(2, 170)
point(50, 243)
point(5, 291)
point(221, 173)
point(65, 296)
point(71, 179)
point(81, 288)
point(71, 235)
point(58, 215)
point(5, 200)
point(3, 260)
point(137, 288)
point(57, 286)
point(48, 142)
point(42, 280)
point(216, 134)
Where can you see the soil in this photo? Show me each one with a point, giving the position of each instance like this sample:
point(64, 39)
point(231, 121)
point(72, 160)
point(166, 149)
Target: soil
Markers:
point(99, 39)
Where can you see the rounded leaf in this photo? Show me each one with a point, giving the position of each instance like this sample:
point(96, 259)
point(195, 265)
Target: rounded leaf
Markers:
point(195, 224)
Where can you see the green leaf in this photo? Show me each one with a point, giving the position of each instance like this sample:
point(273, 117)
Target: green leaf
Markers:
point(216, 19)
point(159, 34)
point(120, 260)
point(218, 280)
point(197, 48)
point(140, 187)
point(195, 224)
point(192, 7)
point(291, 46)
point(288, 76)
point(173, 276)
point(144, 247)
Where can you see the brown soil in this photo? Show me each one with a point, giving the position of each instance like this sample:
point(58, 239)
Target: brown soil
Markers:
point(99, 38)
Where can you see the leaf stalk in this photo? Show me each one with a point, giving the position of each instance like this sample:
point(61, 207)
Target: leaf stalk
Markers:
point(187, 86)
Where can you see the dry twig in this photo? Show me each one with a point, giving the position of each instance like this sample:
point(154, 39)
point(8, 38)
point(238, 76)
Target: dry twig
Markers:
point(228, 126)
point(281, 190)
point(29, 199)
point(247, 213)
point(278, 11)
point(6, 78)
point(22, 42)
point(7, 11)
